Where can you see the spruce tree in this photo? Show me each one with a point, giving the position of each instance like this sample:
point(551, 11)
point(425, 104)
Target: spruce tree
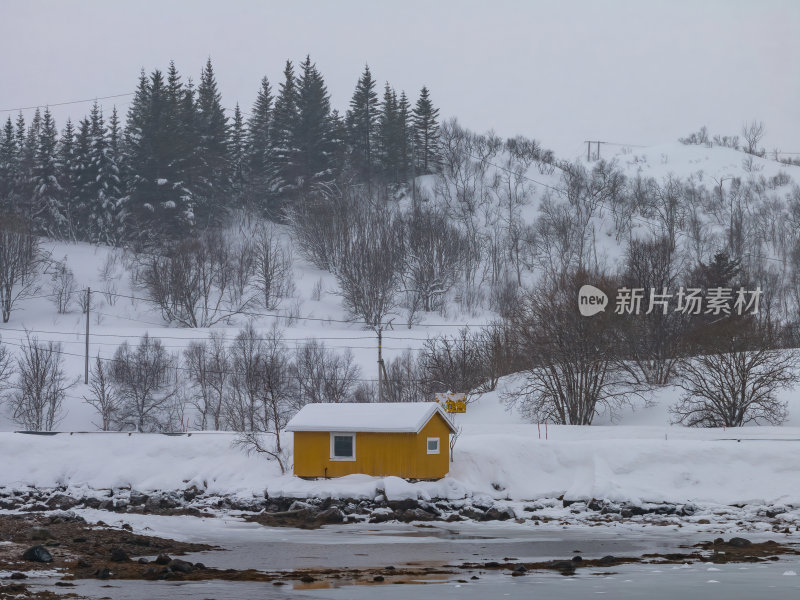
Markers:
point(284, 126)
point(213, 180)
point(8, 168)
point(406, 137)
point(426, 134)
point(48, 215)
point(313, 134)
point(261, 169)
point(238, 157)
point(363, 126)
point(66, 175)
point(105, 187)
point(83, 178)
point(390, 135)
point(159, 193)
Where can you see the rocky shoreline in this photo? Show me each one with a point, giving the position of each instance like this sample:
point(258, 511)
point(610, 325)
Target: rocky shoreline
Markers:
point(309, 513)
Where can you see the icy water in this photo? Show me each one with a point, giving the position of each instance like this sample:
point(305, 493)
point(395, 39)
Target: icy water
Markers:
point(252, 546)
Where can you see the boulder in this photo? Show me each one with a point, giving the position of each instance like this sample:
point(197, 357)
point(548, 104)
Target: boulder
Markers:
point(37, 554)
point(119, 555)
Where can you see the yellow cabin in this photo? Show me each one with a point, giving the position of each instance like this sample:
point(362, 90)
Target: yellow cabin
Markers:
point(405, 439)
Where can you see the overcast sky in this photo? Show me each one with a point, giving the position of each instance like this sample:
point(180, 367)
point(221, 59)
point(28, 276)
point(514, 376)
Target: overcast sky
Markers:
point(637, 72)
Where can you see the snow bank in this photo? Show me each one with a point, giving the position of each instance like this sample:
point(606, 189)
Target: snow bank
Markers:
point(630, 464)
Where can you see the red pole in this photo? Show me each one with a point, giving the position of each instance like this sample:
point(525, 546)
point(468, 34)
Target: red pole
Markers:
point(545, 430)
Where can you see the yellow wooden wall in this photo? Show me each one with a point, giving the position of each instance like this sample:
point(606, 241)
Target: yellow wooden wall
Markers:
point(400, 454)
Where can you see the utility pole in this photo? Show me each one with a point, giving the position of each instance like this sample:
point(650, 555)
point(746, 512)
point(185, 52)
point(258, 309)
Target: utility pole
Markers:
point(380, 364)
point(589, 148)
point(88, 308)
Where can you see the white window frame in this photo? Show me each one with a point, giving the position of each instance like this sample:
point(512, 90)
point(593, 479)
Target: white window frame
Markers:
point(438, 445)
point(334, 434)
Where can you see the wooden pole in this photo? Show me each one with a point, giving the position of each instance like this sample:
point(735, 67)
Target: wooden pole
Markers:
point(88, 309)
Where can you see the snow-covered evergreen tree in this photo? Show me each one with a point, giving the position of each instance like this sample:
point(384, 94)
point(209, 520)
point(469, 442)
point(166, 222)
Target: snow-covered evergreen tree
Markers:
point(9, 167)
point(213, 178)
point(363, 126)
point(262, 174)
point(238, 157)
point(48, 208)
point(426, 134)
point(313, 134)
point(284, 126)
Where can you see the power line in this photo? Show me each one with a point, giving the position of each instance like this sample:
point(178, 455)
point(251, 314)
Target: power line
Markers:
point(4, 110)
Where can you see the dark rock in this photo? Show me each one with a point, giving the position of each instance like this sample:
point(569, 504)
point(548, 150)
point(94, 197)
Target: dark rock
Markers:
point(474, 577)
point(407, 504)
point(143, 561)
point(127, 527)
point(577, 559)
point(84, 564)
point(79, 540)
point(104, 573)
point(687, 510)
point(454, 518)
point(91, 502)
point(106, 505)
point(307, 579)
point(62, 502)
point(390, 568)
point(739, 542)
point(491, 564)
point(37, 554)
point(137, 498)
point(181, 566)
point(607, 560)
point(499, 514)
point(162, 559)
point(199, 565)
point(565, 566)
point(378, 578)
point(18, 576)
point(381, 517)
point(151, 572)
point(414, 514)
point(119, 555)
point(718, 541)
point(471, 512)
point(191, 493)
point(520, 569)
point(330, 515)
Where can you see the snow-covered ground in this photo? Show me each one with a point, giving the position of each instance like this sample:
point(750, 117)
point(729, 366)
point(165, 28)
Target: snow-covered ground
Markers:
point(635, 457)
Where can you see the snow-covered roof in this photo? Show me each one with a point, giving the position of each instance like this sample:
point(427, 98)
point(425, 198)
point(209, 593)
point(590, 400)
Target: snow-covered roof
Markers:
point(381, 417)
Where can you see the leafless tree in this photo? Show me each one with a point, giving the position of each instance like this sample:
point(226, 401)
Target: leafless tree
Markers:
point(324, 375)
point(369, 269)
point(404, 379)
point(145, 380)
point(102, 396)
point(21, 261)
point(653, 338)
point(753, 132)
point(272, 267)
point(41, 386)
point(453, 364)
point(735, 382)
point(209, 370)
point(571, 369)
point(435, 252)
point(262, 391)
point(191, 281)
point(5, 369)
point(62, 285)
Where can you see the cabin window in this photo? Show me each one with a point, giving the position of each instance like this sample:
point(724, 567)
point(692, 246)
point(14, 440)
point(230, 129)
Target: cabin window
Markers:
point(433, 445)
point(343, 446)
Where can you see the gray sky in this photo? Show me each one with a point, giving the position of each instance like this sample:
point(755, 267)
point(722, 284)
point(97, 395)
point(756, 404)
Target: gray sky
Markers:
point(638, 71)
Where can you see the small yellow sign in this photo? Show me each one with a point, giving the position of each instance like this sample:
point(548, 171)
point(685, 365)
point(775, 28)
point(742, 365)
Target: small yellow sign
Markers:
point(453, 403)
